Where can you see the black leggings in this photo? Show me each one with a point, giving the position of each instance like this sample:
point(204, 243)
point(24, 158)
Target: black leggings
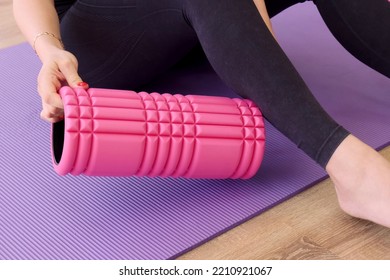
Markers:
point(127, 43)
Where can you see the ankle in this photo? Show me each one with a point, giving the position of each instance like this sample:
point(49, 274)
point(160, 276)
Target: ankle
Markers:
point(348, 158)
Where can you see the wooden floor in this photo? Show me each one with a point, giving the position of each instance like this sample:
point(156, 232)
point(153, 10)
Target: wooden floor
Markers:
point(308, 226)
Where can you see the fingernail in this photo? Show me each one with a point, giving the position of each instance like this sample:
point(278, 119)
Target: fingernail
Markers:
point(82, 84)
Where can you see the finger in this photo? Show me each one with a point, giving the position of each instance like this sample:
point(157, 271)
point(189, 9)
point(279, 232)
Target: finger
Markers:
point(69, 70)
point(53, 100)
point(52, 119)
point(52, 111)
point(51, 114)
point(48, 85)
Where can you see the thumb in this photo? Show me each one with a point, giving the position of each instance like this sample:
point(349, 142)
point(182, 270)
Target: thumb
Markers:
point(76, 81)
point(69, 70)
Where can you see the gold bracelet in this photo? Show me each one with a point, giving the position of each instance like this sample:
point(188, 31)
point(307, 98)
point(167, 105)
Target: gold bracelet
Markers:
point(48, 34)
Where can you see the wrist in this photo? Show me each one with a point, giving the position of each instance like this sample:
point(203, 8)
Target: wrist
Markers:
point(46, 43)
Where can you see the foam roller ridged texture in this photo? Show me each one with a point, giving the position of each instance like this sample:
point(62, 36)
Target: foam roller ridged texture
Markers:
point(109, 132)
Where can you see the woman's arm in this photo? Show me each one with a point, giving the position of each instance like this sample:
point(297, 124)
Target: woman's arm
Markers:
point(260, 4)
point(34, 17)
point(38, 21)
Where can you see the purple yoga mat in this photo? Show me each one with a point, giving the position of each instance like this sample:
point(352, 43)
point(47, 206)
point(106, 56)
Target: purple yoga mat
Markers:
point(44, 216)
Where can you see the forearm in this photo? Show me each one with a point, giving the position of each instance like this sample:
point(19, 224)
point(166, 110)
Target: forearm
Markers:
point(260, 4)
point(34, 17)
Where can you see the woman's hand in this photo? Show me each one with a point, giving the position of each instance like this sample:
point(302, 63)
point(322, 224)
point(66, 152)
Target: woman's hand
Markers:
point(58, 68)
point(38, 21)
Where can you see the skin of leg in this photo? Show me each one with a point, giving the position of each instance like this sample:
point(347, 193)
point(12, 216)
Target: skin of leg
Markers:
point(362, 180)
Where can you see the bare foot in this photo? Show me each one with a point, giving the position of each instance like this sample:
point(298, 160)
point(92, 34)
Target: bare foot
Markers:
point(362, 181)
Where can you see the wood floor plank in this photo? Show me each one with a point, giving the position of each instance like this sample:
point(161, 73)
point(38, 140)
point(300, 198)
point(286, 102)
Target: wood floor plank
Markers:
point(303, 249)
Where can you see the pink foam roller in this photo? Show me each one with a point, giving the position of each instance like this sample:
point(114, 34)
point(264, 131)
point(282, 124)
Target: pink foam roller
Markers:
point(109, 132)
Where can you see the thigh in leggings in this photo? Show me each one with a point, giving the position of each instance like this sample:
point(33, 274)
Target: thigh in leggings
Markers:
point(127, 45)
